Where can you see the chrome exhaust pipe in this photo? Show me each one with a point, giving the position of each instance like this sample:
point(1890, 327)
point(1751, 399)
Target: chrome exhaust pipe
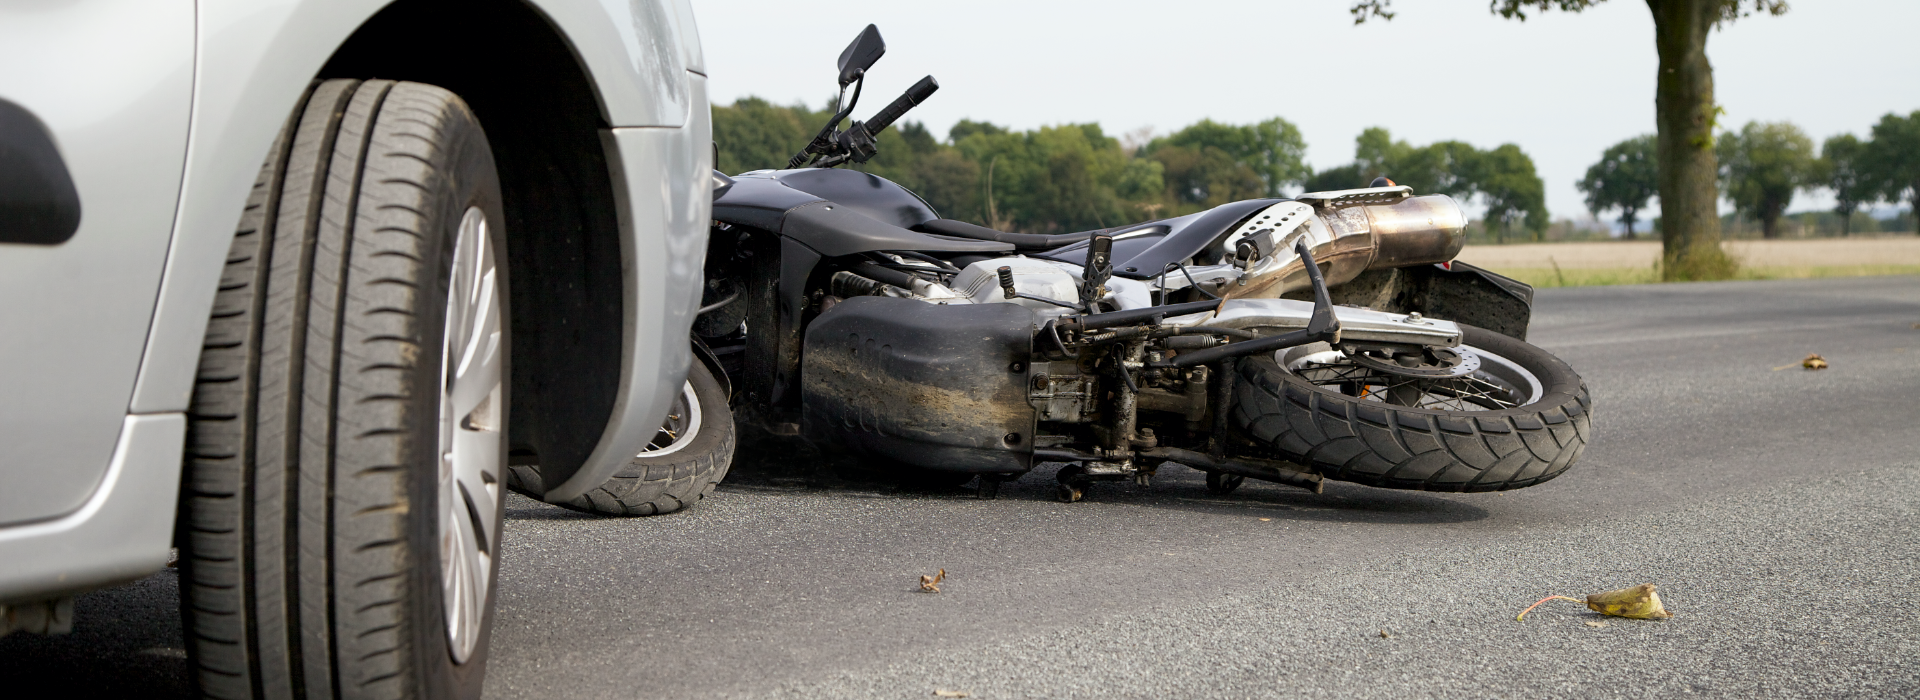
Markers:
point(1353, 231)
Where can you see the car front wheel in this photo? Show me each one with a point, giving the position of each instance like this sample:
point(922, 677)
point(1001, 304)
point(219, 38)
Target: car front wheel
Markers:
point(346, 462)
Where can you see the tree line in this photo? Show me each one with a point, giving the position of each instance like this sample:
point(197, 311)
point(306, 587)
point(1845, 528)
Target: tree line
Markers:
point(1763, 165)
point(1073, 177)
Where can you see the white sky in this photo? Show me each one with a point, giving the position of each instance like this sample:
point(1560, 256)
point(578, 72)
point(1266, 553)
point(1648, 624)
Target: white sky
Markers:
point(1563, 87)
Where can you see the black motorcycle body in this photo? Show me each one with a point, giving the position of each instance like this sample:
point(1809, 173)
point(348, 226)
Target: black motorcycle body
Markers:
point(848, 311)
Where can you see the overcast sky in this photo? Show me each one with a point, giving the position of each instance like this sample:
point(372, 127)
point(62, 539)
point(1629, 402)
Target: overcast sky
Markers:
point(1563, 87)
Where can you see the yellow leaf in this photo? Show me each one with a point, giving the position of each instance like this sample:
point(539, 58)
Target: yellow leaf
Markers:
point(1639, 602)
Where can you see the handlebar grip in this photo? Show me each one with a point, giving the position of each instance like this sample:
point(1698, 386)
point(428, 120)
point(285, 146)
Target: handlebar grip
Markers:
point(914, 96)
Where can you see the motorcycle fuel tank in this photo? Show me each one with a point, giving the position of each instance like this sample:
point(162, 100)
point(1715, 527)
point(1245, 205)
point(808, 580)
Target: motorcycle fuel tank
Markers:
point(869, 194)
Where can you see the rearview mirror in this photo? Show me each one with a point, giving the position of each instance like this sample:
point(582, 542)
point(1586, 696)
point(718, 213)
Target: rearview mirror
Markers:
point(861, 54)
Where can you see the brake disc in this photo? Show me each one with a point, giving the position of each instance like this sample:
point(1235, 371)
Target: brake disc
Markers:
point(1435, 363)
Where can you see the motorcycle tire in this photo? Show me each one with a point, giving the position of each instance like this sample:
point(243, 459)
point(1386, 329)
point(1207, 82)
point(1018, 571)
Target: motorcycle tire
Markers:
point(1365, 440)
point(684, 464)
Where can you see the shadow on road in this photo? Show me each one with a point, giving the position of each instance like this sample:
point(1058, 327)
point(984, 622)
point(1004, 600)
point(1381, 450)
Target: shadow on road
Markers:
point(125, 643)
point(792, 467)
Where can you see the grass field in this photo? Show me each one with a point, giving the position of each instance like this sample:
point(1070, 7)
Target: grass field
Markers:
point(1593, 264)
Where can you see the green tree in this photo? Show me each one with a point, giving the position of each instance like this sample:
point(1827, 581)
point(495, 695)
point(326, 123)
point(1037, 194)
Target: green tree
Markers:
point(1507, 182)
point(969, 127)
point(1344, 177)
point(1056, 178)
point(1272, 150)
point(1842, 169)
point(754, 134)
point(1764, 164)
point(1684, 110)
point(1627, 176)
point(911, 156)
point(1504, 178)
point(1893, 159)
point(1205, 176)
point(1437, 168)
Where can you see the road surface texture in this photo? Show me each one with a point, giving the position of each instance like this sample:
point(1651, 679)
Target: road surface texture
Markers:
point(1775, 507)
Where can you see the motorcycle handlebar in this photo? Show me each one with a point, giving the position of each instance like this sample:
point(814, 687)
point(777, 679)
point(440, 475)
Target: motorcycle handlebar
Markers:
point(914, 96)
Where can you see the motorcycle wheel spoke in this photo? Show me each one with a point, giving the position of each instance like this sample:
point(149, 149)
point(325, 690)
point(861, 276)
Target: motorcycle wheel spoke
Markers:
point(1463, 393)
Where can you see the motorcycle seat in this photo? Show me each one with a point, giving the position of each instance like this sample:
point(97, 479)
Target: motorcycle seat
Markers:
point(1020, 241)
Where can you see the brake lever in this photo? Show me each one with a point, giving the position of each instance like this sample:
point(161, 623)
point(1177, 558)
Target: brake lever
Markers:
point(825, 143)
point(856, 142)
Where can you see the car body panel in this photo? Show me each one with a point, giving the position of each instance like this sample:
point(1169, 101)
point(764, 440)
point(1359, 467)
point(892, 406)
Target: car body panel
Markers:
point(121, 532)
point(664, 246)
point(75, 314)
point(181, 136)
point(256, 57)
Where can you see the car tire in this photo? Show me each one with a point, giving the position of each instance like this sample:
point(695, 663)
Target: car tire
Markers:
point(343, 490)
point(684, 463)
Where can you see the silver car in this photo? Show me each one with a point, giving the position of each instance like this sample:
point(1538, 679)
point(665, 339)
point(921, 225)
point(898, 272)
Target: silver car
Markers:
point(299, 286)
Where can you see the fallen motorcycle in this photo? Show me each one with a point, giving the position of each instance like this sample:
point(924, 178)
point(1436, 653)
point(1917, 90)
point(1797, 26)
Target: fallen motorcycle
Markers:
point(1326, 336)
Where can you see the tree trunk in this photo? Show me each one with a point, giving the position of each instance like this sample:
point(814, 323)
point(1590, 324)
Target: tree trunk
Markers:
point(1846, 221)
point(1913, 208)
point(1772, 209)
point(1685, 112)
point(1626, 217)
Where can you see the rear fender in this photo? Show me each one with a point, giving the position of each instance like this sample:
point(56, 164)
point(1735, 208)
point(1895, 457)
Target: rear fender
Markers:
point(1455, 292)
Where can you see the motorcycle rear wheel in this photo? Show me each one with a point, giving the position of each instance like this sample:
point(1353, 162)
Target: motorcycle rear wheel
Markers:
point(679, 467)
point(1522, 418)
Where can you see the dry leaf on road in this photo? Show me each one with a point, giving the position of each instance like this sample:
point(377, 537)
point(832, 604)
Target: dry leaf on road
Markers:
point(949, 693)
point(1639, 602)
point(931, 584)
point(1814, 362)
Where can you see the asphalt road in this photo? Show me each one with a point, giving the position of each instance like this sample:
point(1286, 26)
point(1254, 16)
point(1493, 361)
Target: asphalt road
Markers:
point(1776, 509)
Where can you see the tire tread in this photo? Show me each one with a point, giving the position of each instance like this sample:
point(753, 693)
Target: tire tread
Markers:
point(1344, 438)
point(296, 557)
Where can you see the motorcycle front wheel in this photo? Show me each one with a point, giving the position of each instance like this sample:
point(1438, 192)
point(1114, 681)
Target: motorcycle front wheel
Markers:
point(1518, 418)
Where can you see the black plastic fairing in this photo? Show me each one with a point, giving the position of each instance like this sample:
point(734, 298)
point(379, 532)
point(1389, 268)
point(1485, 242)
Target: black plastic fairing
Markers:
point(758, 201)
point(1464, 294)
point(869, 194)
point(1186, 241)
point(835, 230)
point(773, 201)
point(1127, 244)
point(939, 387)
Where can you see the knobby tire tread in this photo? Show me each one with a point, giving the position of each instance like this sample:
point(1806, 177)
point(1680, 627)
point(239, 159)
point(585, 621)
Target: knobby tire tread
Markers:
point(1377, 444)
point(658, 486)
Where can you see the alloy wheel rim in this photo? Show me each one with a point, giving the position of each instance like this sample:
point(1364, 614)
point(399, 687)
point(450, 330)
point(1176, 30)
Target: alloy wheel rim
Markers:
point(471, 419)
